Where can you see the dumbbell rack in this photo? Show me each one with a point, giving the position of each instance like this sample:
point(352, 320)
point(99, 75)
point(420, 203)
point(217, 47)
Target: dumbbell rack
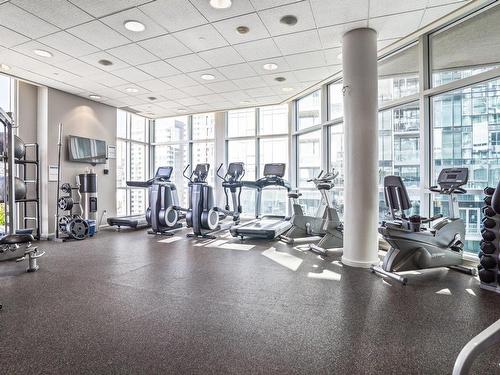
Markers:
point(24, 163)
point(489, 268)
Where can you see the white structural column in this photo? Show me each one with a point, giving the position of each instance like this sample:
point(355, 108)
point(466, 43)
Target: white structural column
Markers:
point(359, 59)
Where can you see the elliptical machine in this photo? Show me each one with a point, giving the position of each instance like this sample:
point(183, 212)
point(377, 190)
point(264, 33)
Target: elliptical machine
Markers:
point(203, 215)
point(326, 223)
point(414, 247)
point(163, 213)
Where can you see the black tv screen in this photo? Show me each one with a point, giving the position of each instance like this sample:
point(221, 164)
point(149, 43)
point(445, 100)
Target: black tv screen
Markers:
point(86, 150)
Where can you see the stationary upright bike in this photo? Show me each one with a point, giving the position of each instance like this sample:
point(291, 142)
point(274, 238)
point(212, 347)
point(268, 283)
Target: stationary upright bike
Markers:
point(325, 223)
point(414, 247)
point(203, 215)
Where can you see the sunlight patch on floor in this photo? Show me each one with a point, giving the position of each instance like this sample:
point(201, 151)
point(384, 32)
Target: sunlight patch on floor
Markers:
point(284, 259)
point(471, 292)
point(325, 275)
point(236, 246)
point(444, 291)
point(170, 239)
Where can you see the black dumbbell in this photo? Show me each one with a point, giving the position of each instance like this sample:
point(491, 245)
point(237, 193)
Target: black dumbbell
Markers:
point(487, 200)
point(488, 211)
point(488, 235)
point(488, 262)
point(487, 247)
point(488, 222)
point(489, 190)
point(487, 276)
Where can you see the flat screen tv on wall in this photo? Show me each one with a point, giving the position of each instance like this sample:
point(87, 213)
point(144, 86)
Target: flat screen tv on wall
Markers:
point(86, 150)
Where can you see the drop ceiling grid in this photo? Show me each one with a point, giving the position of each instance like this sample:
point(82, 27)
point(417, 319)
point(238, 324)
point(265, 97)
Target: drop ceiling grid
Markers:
point(303, 53)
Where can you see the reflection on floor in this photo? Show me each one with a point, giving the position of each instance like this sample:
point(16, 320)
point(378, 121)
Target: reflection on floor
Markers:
point(134, 303)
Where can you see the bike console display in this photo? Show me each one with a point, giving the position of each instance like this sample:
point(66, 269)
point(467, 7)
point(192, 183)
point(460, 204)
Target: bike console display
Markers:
point(450, 180)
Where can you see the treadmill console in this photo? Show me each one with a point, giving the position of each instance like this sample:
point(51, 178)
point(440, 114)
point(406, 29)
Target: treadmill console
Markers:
point(274, 170)
point(453, 177)
point(164, 173)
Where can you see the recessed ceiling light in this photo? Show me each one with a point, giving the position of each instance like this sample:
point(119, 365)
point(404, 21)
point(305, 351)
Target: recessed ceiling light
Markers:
point(182, 110)
point(131, 89)
point(245, 102)
point(135, 26)
point(339, 56)
point(220, 4)
point(288, 20)
point(208, 77)
point(280, 79)
point(105, 62)
point(242, 29)
point(4, 67)
point(152, 98)
point(42, 53)
point(287, 89)
point(270, 66)
point(95, 97)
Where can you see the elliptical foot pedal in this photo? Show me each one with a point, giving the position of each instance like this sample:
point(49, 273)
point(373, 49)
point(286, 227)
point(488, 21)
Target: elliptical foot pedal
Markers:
point(168, 234)
point(318, 250)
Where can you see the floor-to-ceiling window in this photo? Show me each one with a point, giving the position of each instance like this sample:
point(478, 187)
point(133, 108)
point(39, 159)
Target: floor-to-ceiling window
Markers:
point(171, 149)
point(132, 162)
point(203, 146)
point(256, 136)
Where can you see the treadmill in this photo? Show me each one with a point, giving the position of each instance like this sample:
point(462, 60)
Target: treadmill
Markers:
point(267, 226)
point(140, 221)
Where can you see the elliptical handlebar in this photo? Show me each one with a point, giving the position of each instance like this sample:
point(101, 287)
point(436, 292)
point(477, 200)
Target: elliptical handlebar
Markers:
point(223, 178)
point(448, 191)
point(189, 178)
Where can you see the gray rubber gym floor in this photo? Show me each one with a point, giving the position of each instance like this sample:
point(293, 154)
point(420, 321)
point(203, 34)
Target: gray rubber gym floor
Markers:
point(127, 303)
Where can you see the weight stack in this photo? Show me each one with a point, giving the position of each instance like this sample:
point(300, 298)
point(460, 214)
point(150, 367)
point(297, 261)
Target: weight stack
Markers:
point(489, 255)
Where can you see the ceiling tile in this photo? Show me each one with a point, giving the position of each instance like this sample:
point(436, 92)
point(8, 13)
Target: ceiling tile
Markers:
point(303, 41)
point(201, 38)
point(221, 56)
point(79, 67)
point(98, 34)
point(433, 3)
point(302, 10)
point(396, 26)
point(385, 7)
point(249, 82)
point(99, 8)
point(237, 71)
point(107, 79)
point(189, 101)
point(132, 54)
point(280, 61)
point(117, 20)
point(237, 8)
point(174, 94)
point(236, 96)
point(188, 63)
point(180, 81)
point(93, 59)
point(258, 49)
point(197, 90)
point(158, 69)
point(386, 42)
point(174, 15)
point(314, 74)
point(155, 85)
point(68, 43)
point(332, 36)
point(228, 28)
point(257, 92)
point(334, 12)
point(9, 38)
point(63, 14)
point(306, 60)
point(28, 48)
point(132, 74)
point(334, 55)
point(23, 22)
point(264, 4)
point(210, 98)
point(165, 47)
point(223, 86)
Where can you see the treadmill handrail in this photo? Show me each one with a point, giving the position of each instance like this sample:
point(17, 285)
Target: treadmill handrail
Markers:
point(490, 336)
point(267, 181)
